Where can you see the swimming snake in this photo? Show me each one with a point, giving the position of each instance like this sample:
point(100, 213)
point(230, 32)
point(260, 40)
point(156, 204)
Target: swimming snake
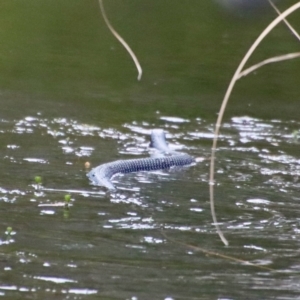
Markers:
point(165, 159)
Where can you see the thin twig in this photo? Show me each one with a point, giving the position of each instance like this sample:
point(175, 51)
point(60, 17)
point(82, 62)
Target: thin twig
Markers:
point(268, 61)
point(122, 41)
point(224, 104)
point(285, 21)
point(211, 253)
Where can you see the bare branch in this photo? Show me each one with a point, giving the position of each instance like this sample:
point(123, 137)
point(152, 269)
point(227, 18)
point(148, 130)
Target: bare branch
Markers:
point(285, 21)
point(235, 77)
point(268, 61)
point(121, 40)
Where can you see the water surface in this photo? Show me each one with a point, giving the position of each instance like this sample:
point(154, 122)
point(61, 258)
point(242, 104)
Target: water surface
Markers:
point(69, 95)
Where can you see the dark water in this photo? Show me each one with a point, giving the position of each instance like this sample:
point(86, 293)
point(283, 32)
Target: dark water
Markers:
point(69, 95)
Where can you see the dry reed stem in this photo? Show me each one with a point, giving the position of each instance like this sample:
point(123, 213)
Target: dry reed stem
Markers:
point(285, 21)
point(268, 61)
point(122, 41)
point(235, 77)
point(211, 253)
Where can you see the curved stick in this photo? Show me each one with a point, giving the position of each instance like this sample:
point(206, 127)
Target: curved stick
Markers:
point(268, 61)
point(217, 254)
point(224, 104)
point(295, 33)
point(122, 41)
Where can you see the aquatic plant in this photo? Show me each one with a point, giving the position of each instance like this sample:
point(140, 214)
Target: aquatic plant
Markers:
point(8, 230)
point(38, 181)
point(8, 233)
point(67, 200)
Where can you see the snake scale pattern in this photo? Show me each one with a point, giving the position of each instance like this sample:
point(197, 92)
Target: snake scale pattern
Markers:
point(165, 159)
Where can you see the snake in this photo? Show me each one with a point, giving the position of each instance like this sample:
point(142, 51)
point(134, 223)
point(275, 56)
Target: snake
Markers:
point(165, 158)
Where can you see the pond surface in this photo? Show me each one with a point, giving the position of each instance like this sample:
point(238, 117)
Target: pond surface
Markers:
point(69, 95)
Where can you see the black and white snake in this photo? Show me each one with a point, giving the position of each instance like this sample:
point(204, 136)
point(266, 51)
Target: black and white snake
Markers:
point(166, 159)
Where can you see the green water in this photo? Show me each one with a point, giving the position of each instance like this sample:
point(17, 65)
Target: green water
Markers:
point(69, 94)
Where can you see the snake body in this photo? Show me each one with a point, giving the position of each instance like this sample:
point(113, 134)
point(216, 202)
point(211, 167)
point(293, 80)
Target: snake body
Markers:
point(166, 159)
